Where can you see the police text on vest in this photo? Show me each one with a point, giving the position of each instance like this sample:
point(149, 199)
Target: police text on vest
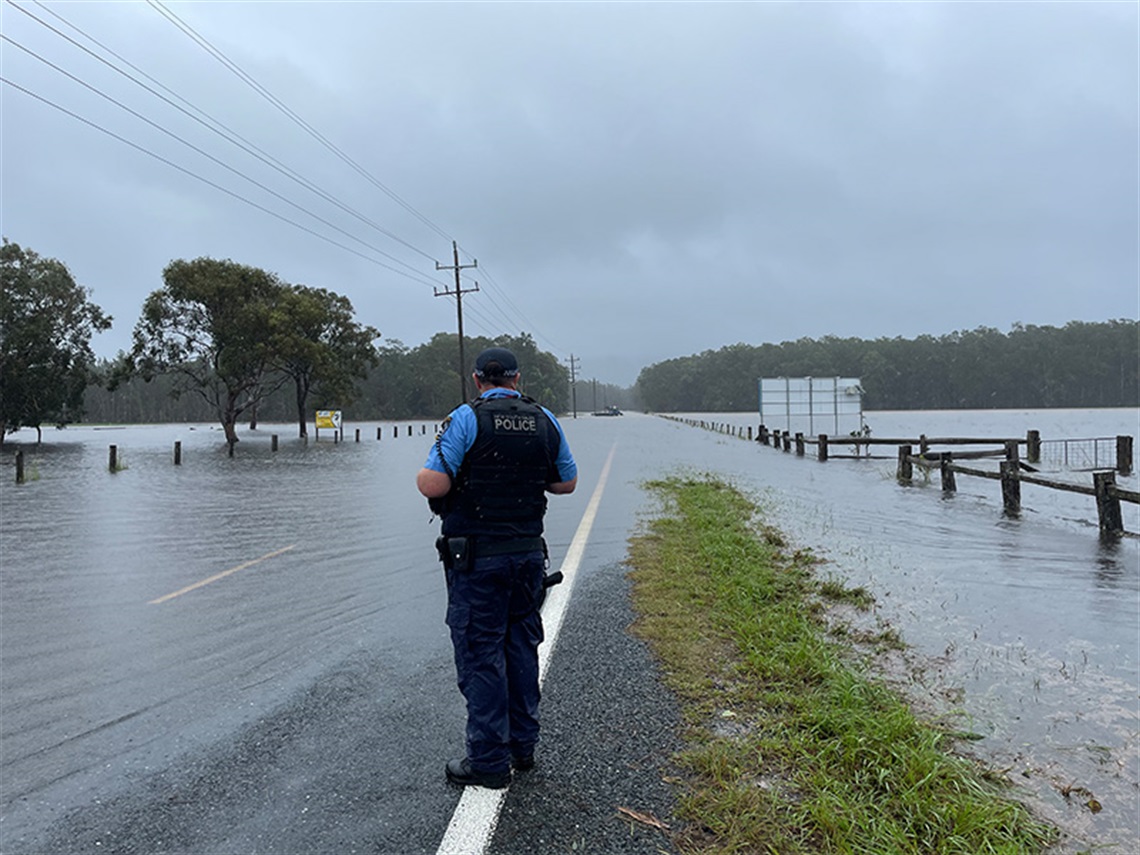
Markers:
point(515, 423)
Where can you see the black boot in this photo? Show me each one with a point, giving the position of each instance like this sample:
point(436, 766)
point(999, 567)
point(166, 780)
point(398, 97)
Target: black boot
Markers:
point(460, 772)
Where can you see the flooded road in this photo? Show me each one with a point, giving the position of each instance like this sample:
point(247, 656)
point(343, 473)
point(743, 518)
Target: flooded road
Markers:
point(149, 615)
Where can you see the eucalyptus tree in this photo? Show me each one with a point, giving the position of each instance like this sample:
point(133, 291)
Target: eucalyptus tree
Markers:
point(320, 347)
point(211, 327)
point(46, 324)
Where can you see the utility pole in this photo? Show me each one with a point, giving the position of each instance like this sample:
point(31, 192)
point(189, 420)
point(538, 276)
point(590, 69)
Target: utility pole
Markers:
point(574, 383)
point(458, 295)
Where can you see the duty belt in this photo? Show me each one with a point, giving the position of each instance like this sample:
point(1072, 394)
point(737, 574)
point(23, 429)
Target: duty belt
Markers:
point(486, 548)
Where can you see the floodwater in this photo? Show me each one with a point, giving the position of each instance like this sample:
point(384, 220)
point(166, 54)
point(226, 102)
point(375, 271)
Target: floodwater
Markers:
point(148, 613)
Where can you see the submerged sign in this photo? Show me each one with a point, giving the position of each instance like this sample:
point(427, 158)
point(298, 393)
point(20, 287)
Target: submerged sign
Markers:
point(328, 419)
point(812, 405)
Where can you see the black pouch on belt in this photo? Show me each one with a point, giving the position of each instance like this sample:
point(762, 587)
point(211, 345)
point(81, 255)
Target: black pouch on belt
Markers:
point(454, 552)
point(459, 553)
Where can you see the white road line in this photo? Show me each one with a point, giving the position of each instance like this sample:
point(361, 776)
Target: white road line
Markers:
point(218, 576)
point(473, 823)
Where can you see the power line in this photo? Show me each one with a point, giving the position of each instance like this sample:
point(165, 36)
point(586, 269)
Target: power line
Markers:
point(527, 322)
point(215, 126)
point(287, 111)
point(250, 148)
point(207, 155)
point(186, 171)
point(250, 81)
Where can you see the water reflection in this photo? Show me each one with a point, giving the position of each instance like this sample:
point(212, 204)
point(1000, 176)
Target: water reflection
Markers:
point(1114, 563)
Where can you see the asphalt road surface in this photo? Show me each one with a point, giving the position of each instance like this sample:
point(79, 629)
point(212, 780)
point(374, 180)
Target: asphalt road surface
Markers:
point(249, 656)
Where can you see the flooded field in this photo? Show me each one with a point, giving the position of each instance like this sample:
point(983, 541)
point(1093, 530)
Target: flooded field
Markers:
point(148, 612)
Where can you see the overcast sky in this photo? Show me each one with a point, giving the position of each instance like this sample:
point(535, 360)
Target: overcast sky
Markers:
point(638, 181)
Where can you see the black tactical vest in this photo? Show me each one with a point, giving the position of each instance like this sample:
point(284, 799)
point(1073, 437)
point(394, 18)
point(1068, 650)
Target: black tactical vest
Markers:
point(500, 490)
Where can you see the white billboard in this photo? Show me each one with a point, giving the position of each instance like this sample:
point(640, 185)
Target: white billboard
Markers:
point(812, 405)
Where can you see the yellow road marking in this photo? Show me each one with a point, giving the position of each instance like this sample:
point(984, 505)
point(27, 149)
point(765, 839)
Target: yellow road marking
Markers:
point(218, 576)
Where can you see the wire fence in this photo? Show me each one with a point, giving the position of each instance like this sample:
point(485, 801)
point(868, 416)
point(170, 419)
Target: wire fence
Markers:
point(1080, 454)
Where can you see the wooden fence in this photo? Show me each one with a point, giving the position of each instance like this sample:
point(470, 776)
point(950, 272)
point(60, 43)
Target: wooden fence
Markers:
point(1012, 471)
point(115, 463)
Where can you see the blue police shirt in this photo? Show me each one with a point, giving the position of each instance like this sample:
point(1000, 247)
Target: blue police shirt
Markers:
point(458, 435)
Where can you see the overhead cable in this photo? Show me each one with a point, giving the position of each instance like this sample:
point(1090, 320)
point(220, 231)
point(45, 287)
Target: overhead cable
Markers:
point(287, 111)
point(250, 148)
point(497, 288)
point(195, 175)
point(418, 277)
point(217, 127)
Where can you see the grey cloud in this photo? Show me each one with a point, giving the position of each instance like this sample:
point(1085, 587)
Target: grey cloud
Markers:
point(641, 180)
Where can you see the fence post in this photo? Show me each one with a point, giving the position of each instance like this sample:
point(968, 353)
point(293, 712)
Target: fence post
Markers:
point(1010, 487)
point(823, 447)
point(762, 434)
point(378, 430)
point(923, 446)
point(1033, 446)
point(949, 483)
point(395, 431)
point(113, 459)
point(177, 452)
point(1124, 455)
point(1011, 452)
point(273, 442)
point(19, 467)
point(799, 444)
point(750, 433)
point(1107, 506)
point(905, 470)
point(358, 434)
point(787, 440)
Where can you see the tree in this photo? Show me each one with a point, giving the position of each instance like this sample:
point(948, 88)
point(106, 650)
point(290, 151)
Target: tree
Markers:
point(46, 323)
point(320, 347)
point(212, 326)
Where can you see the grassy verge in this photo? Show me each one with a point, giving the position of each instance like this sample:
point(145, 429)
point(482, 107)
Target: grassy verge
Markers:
point(792, 749)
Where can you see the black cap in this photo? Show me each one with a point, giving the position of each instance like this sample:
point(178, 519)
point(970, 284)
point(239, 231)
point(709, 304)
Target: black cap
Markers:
point(496, 362)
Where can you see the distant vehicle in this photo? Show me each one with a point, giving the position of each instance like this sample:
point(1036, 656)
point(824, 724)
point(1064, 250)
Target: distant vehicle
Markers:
point(609, 411)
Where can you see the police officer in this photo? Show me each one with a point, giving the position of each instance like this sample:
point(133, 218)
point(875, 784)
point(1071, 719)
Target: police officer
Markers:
point(486, 476)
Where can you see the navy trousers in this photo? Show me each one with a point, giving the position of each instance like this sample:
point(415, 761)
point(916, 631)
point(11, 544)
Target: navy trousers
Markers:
point(496, 627)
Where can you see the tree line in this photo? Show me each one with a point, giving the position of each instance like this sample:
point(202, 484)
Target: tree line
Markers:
point(402, 383)
point(1082, 364)
point(405, 383)
point(226, 335)
point(224, 342)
